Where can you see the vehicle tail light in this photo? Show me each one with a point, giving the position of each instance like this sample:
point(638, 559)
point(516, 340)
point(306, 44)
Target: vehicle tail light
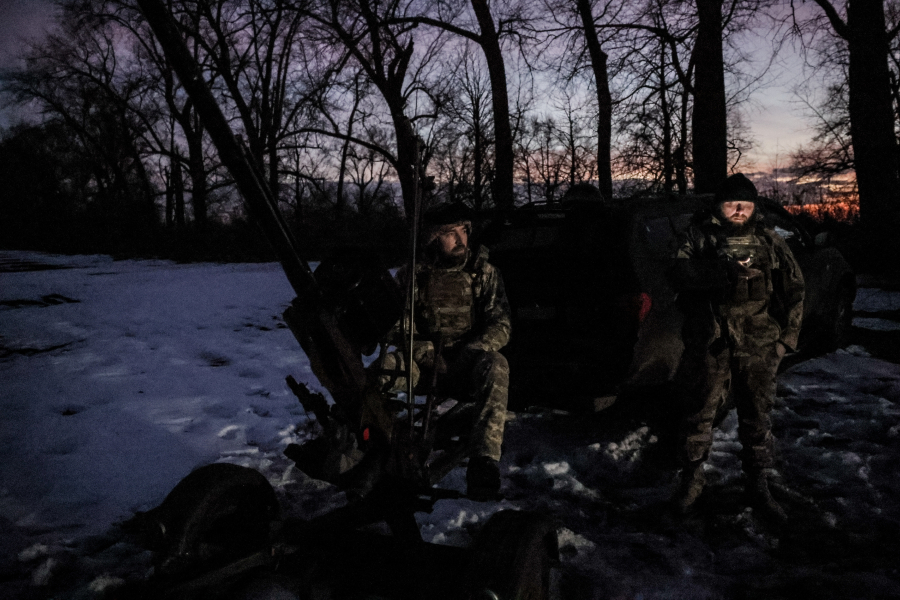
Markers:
point(637, 305)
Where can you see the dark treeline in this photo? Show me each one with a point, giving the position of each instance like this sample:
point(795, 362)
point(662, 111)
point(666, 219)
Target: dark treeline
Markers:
point(353, 109)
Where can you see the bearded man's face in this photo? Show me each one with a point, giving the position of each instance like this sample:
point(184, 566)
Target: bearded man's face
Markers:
point(453, 241)
point(737, 212)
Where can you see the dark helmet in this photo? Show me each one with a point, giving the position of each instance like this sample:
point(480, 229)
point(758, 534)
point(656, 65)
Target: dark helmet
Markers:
point(582, 192)
point(443, 216)
point(736, 187)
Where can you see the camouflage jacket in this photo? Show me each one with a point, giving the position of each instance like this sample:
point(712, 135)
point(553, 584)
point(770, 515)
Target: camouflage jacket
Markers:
point(464, 307)
point(746, 307)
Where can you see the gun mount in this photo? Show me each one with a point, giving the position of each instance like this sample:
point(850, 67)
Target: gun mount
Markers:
point(221, 524)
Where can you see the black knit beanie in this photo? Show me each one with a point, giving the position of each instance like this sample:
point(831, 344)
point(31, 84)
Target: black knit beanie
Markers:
point(736, 187)
point(443, 217)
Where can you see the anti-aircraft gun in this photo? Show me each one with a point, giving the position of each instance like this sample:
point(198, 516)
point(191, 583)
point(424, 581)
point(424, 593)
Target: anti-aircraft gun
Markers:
point(220, 527)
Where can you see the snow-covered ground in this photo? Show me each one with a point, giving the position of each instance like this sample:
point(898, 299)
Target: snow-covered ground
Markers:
point(117, 378)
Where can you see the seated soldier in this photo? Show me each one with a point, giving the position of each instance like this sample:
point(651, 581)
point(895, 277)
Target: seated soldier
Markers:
point(462, 319)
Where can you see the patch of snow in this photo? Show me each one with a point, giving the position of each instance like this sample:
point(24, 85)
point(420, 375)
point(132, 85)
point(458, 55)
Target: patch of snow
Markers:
point(160, 368)
point(876, 324)
point(44, 573)
point(630, 448)
point(105, 583)
point(33, 552)
point(876, 300)
point(854, 350)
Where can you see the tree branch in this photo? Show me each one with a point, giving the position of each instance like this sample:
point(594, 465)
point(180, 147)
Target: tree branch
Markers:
point(840, 27)
point(349, 138)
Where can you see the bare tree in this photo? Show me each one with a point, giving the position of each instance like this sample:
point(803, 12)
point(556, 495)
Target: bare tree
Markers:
point(489, 40)
point(655, 88)
point(545, 160)
point(448, 16)
point(577, 145)
point(464, 157)
point(872, 119)
point(830, 152)
point(709, 121)
point(80, 79)
point(573, 26)
point(252, 46)
point(381, 44)
point(171, 128)
point(182, 111)
point(688, 75)
point(599, 61)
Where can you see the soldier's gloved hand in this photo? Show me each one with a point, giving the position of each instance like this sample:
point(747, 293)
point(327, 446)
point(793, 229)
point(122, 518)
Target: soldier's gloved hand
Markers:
point(440, 365)
point(736, 271)
point(780, 350)
point(474, 347)
point(750, 273)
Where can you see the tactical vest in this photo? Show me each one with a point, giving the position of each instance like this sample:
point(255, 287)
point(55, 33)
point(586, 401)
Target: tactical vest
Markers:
point(446, 302)
point(752, 253)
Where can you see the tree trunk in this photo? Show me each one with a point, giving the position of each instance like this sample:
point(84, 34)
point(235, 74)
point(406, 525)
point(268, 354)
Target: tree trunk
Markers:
point(668, 163)
point(710, 141)
point(872, 123)
point(478, 158)
point(197, 171)
point(147, 201)
point(504, 196)
point(604, 99)
point(407, 148)
point(273, 162)
point(341, 201)
point(170, 198)
point(298, 203)
point(679, 156)
point(178, 184)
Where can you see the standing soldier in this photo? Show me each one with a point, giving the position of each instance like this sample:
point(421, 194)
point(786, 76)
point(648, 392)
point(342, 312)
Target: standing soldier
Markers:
point(741, 292)
point(462, 319)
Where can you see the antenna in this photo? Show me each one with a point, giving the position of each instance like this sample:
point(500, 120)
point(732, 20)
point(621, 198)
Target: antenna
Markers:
point(411, 293)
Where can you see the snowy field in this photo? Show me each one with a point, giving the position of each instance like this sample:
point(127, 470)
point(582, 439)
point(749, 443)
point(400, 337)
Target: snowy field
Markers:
point(117, 378)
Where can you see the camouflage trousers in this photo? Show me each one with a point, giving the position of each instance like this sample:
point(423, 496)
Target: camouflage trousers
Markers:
point(472, 376)
point(705, 380)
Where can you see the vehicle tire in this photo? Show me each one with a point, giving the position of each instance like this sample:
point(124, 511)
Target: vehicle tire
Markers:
point(217, 513)
point(512, 557)
point(836, 329)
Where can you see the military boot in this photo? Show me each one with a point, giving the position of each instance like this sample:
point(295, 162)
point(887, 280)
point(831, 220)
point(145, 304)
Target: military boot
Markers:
point(760, 498)
point(483, 479)
point(690, 486)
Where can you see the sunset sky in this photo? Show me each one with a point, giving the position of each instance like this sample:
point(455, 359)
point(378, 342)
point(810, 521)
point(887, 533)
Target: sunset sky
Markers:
point(776, 123)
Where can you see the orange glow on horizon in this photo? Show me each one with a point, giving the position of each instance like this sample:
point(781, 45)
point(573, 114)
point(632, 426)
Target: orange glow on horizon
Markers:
point(846, 210)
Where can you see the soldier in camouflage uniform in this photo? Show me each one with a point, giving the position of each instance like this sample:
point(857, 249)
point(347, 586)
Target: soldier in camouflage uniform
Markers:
point(462, 319)
point(741, 292)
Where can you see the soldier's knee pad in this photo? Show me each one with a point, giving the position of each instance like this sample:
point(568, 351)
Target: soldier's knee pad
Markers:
point(694, 451)
point(495, 362)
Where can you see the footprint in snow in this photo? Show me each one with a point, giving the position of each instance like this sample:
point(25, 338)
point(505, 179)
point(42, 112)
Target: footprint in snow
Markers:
point(230, 432)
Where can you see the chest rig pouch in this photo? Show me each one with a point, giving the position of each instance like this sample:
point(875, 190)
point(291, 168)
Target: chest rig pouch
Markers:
point(446, 303)
point(754, 274)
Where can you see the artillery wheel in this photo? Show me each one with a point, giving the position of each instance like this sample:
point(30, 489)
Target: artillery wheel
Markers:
point(511, 558)
point(217, 513)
